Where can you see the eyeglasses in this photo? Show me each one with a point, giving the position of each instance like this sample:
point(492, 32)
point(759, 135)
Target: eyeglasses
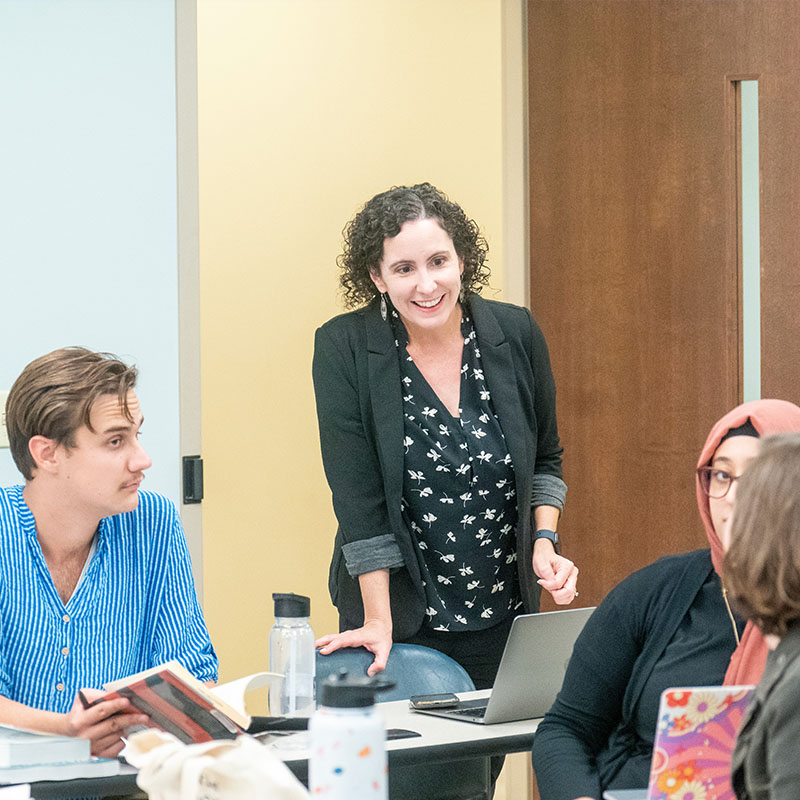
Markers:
point(716, 482)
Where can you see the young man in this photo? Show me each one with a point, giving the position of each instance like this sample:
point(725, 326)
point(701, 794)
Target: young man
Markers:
point(95, 576)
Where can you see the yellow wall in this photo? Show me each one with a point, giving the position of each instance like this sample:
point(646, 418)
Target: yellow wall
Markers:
point(306, 109)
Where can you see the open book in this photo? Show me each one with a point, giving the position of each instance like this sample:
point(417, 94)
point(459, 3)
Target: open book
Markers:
point(180, 704)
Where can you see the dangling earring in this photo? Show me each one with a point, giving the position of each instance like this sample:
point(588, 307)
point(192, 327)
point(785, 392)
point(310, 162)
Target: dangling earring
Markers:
point(383, 306)
point(461, 293)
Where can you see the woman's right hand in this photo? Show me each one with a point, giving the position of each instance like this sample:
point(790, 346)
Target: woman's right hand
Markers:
point(376, 632)
point(374, 635)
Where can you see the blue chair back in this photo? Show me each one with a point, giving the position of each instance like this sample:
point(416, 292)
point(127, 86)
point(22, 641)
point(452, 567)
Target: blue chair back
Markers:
point(414, 670)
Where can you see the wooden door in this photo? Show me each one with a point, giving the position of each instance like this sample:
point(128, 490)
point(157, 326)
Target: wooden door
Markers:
point(634, 242)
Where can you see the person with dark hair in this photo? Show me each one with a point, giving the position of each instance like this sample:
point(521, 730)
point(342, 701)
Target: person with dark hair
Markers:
point(668, 624)
point(95, 576)
point(762, 574)
point(438, 430)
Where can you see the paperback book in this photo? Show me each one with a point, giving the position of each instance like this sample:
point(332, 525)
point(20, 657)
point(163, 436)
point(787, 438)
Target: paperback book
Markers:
point(180, 704)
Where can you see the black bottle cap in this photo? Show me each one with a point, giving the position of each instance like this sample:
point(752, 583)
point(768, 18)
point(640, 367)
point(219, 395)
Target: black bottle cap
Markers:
point(341, 690)
point(291, 605)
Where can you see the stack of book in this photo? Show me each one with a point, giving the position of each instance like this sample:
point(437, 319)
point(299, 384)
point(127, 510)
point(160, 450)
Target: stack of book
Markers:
point(26, 756)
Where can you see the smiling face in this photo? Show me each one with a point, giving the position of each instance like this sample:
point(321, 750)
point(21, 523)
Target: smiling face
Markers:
point(421, 273)
point(104, 469)
point(732, 456)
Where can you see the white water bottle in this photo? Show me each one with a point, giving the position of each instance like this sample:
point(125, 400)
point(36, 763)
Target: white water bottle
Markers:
point(291, 653)
point(347, 749)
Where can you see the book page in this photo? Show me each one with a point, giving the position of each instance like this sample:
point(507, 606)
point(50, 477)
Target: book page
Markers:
point(233, 692)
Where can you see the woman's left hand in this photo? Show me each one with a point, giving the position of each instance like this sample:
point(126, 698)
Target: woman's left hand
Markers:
point(556, 574)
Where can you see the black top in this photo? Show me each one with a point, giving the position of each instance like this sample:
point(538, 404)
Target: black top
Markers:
point(459, 500)
point(665, 625)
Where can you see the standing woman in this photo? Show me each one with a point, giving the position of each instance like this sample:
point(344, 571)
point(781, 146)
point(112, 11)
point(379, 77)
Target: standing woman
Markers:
point(762, 571)
point(437, 423)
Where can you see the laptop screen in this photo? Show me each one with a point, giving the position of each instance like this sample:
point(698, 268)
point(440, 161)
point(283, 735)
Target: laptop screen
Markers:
point(695, 736)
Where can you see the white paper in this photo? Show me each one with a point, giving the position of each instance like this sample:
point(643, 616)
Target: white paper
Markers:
point(233, 692)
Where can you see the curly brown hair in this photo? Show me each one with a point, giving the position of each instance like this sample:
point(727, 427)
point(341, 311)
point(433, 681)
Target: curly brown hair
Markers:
point(762, 565)
point(383, 216)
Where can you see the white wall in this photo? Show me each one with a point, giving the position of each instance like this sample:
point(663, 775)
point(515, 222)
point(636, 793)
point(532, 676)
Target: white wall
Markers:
point(88, 250)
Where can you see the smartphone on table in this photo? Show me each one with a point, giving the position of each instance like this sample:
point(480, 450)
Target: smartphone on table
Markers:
point(425, 701)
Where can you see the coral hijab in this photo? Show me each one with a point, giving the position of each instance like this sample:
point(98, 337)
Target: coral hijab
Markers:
point(767, 417)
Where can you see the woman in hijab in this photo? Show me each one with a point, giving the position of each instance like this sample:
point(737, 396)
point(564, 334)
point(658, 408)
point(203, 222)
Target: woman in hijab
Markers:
point(669, 624)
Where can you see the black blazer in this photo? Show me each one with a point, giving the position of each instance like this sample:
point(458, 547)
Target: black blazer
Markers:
point(765, 763)
point(359, 409)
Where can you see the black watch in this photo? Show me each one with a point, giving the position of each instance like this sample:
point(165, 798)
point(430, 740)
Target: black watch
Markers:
point(544, 533)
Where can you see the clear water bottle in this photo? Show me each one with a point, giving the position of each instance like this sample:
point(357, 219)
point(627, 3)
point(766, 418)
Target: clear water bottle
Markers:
point(291, 652)
point(347, 749)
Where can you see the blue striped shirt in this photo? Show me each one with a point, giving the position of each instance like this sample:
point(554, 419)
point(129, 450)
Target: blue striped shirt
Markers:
point(134, 608)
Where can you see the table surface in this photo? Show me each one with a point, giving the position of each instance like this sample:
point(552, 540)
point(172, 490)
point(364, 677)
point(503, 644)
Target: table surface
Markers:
point(441, 740)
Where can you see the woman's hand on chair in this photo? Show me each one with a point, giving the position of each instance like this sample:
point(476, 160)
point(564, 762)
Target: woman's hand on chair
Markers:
point(375, 635)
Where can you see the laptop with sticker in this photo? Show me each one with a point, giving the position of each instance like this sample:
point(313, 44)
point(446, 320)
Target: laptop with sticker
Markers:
point(695, 736)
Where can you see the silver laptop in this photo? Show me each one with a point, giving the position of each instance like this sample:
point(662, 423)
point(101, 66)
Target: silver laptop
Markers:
point(531, 670)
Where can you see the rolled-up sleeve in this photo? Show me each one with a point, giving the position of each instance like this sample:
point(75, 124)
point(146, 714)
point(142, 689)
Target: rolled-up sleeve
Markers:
point(548, 490)
point(380, 552)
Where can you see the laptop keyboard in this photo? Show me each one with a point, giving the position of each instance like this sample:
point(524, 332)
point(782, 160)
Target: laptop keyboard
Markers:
point(478, 712)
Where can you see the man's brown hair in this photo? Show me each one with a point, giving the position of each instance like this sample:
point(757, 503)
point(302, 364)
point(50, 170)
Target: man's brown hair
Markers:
point(762, 566)
point(54, 395)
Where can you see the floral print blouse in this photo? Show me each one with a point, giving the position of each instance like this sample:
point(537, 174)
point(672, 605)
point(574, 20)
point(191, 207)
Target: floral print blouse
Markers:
point(459, 498)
